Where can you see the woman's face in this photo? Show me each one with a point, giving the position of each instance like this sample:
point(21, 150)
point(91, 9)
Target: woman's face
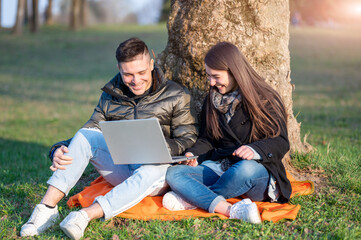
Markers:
point(221, 79)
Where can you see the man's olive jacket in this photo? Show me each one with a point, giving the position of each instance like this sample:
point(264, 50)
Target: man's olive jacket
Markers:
point(169, 102)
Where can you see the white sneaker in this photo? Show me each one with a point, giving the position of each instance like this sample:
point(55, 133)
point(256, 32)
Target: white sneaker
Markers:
point(173, 202)
point(245, 210)
point(74, 224)
point(41, 219)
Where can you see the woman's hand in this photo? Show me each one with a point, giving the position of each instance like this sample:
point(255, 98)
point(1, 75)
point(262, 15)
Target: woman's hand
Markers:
point(191, 162)
point(59, 159)
point(244, 152)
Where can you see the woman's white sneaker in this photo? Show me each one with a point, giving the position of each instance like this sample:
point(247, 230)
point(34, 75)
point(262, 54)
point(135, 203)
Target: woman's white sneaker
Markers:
point(173, 202)
point(245, 210)
point(41, 219)
point(74, 224)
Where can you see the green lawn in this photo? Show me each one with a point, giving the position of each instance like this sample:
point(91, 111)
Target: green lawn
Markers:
point(50, 83)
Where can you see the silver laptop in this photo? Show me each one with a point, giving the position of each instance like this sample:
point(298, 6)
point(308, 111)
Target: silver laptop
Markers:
point(139, 141)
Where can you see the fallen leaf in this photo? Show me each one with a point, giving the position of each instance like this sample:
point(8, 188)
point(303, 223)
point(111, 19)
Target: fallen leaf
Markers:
point(115, 237)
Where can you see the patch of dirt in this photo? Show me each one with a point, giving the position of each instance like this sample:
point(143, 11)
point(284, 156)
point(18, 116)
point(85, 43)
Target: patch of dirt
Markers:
point(317, 176)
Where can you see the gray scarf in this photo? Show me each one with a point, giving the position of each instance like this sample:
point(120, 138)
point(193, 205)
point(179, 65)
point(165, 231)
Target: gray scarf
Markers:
point(227, 105)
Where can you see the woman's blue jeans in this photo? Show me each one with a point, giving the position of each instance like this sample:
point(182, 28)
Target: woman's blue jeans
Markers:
point(202, 187)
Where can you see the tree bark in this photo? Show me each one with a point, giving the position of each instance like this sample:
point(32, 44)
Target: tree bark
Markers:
point(74, 15)
point(258, 27)
point(49, 13)
point(19, 23)
point(34, 26)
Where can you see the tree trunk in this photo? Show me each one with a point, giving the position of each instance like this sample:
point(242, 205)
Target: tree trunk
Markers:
point(34, 26)
point(74, 15)
point(19, 23)
point(49, 13)
point(260, 30)
point(83, 16)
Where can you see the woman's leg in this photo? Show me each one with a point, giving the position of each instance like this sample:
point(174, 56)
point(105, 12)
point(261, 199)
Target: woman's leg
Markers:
point(247, 177)
point(191, 183)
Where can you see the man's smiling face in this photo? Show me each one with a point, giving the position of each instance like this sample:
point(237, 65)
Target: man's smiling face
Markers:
point(137, 74)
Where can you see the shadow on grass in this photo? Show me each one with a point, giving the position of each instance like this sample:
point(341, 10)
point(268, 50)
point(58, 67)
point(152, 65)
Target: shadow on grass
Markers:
point(23, 162)
point(28, 163)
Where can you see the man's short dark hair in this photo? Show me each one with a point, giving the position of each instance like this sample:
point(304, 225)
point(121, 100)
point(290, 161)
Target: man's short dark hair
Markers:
point(129, 49)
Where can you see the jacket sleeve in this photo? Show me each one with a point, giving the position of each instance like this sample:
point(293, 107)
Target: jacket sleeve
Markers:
point(97, 116)
point(273, 149)
point(183, 131)
point(58, 145)
point(203, 144)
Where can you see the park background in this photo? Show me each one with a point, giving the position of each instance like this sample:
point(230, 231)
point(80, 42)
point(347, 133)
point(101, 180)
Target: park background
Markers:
point(50, 81)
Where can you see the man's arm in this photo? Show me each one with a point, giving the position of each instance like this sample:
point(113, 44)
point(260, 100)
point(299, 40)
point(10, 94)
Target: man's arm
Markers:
point(203, 144)
point(183, 131)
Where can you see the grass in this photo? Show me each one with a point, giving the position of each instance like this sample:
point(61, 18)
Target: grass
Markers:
point(50, 83)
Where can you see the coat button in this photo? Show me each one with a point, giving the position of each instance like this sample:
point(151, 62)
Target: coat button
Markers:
point(243, 122)
point(270, 155)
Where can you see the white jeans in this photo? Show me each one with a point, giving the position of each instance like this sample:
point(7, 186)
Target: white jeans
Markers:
point(131, 182)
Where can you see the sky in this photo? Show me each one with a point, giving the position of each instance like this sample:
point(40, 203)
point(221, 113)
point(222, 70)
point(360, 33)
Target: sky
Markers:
point(8, 10)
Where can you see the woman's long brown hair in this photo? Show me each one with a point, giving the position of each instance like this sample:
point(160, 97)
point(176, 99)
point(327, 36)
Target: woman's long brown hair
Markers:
point(260, 100)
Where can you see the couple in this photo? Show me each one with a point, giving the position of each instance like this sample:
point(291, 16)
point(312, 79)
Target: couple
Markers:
point(242, 140)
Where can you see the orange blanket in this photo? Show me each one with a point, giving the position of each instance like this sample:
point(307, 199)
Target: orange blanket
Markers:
point(151, 207)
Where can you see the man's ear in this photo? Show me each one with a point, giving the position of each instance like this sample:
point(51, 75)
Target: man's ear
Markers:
point(151, 64)
point(118, 66)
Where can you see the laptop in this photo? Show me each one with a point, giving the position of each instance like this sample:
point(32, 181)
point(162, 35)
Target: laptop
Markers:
point(139, 141)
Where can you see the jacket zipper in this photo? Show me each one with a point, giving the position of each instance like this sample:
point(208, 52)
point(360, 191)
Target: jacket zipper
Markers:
point(135, 111)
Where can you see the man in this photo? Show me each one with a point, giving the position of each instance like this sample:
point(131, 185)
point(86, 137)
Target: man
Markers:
point(138, 91)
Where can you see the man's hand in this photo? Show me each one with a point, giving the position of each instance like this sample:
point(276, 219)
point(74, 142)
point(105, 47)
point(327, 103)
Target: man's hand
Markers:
point(59, 159)
point(191, 162)
point(244, 152)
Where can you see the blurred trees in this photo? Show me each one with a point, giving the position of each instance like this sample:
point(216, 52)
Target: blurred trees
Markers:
point(34, 20)
point(49, 13)
point(20, 14)
point(165, 11)
point(77, 15)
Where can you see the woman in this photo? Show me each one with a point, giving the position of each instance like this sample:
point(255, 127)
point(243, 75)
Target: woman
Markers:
point(243, 138)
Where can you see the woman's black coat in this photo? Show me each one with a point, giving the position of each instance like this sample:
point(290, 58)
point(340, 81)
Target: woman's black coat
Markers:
point(237, 133)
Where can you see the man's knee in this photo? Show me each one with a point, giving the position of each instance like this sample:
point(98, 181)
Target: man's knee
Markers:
point(90, 134)
point(152, 172)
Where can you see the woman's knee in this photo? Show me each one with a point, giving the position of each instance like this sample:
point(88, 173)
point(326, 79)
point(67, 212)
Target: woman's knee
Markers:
point(248, 169)
point(174, 172)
